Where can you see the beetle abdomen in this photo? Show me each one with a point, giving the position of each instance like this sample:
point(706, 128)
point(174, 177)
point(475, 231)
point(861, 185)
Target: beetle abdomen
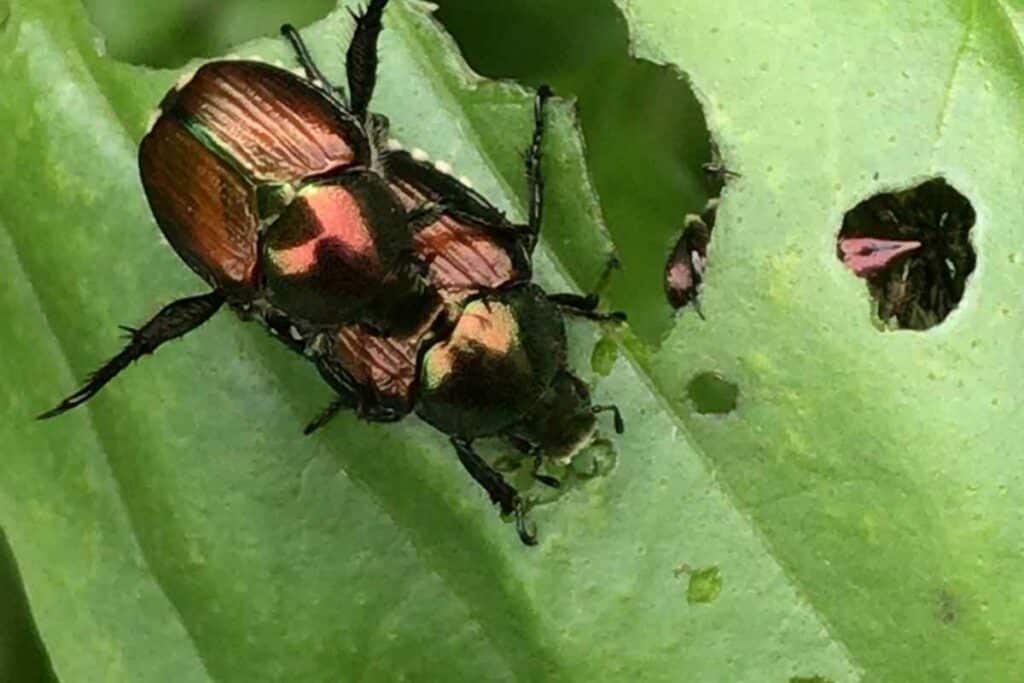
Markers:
point(464, 257)
point(463, 254)
point(386, 365)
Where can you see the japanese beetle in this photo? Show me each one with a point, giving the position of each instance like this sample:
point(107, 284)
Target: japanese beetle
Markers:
point(265, 184)
point(408, 290)
point(684, 270)
point(500, 370)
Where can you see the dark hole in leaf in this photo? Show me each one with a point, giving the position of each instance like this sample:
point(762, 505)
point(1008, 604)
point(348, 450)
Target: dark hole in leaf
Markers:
point(22, 655)
point(168, 33)
point(712, 394)
point(913, 247)
point(647, 140)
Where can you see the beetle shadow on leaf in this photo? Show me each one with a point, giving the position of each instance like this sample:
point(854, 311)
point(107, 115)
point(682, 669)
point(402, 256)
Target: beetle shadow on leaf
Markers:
point(22, 654)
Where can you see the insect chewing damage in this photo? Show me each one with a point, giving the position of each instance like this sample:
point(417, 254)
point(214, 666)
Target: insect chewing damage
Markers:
point(913, 248)
point(408, 290)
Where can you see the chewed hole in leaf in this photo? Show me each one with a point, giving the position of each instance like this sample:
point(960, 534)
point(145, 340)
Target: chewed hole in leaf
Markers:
point(596, 460)
point(648, 169)
point(914, 250)
point(712, 394)
point(604, 356)
point(703, 585)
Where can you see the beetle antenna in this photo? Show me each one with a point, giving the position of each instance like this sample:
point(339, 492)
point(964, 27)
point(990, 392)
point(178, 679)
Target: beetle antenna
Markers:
point(620, 426)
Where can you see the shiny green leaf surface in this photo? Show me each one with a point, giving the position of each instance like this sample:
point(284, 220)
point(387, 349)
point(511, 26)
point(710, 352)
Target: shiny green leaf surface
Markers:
point(883, 468)
point(853, 518)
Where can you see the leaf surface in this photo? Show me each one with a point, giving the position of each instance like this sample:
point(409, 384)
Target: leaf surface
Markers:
point(183, 528)
point(883, 468)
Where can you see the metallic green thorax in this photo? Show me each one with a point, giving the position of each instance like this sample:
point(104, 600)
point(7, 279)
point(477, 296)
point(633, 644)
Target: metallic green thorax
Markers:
point(501, 357)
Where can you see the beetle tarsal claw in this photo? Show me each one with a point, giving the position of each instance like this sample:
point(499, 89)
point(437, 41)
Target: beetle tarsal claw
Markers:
point(527, 533)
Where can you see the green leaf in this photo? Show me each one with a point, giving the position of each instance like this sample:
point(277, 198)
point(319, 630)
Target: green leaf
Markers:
point(182, 528)
point(882, 469)
point(22, 657)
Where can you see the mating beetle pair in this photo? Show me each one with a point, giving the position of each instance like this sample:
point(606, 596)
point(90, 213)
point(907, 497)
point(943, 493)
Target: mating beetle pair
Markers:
point(408, 290)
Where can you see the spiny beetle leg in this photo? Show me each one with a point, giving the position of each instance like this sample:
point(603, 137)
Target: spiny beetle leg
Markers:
point(341, 402)
point(583, 307)
point(580, 302)
point(534, 172)
point(173, 320)
point(366, 407)
point(499, 490)
point(361, 58)
point(313, 72)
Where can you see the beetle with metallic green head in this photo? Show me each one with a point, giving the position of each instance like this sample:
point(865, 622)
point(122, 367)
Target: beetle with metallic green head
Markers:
point(500, 370)
point(408, 290)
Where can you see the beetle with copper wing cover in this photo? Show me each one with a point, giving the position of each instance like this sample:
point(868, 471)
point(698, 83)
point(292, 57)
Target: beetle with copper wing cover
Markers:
point(407, 289)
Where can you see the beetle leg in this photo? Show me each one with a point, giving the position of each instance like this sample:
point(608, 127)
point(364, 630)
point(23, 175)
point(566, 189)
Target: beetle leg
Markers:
point(313, 72)
point(545, 479)
point(367, 408)
point(522, 445)
point(579, 302)
point(458, 201)
point(584, 307)
point(361, 58)
point(534, 173)
point(423, 216)
point(173, 320)
point(500, 491)
point(341, 402)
